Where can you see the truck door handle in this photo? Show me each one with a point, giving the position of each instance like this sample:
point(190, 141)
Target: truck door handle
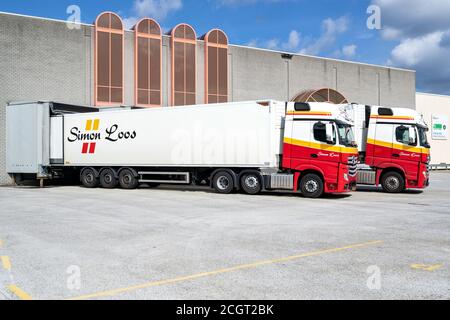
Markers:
point(314, 155)
point(396, 155)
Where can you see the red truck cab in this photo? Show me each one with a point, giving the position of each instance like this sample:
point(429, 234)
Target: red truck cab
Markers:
point(319, 142)
point(394, 150)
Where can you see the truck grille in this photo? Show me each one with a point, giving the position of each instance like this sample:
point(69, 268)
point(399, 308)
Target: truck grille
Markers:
point(352, 166)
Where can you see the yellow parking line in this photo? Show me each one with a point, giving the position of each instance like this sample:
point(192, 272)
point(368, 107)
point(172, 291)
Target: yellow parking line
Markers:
point(427, 267)
point(221, 271)
point(19, 292)
point(6, 262)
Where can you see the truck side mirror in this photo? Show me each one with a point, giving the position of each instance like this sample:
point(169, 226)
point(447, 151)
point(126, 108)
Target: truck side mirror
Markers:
point(329, 131)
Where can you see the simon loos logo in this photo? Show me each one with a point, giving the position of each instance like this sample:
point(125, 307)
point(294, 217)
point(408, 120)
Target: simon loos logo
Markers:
point(92, 135)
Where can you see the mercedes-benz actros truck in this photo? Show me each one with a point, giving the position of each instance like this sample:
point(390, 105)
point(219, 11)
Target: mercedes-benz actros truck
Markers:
point(250, 146)
point(393, 147)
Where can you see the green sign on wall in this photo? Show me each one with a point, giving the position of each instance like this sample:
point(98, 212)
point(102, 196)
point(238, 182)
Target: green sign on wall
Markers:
point(439, 129)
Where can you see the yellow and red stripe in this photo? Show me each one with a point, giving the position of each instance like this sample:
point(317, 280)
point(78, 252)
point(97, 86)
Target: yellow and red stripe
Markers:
point(393, 118)
point(398, 146)
point(309, 113)
point(320, 146)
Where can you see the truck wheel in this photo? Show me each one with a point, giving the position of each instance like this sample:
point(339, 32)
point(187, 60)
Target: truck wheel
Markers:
point(127, 179)
point(108, 178)
point(311, 186)
point(393, 182)
point(223, 182)
point(251, 183)
point(89, 178)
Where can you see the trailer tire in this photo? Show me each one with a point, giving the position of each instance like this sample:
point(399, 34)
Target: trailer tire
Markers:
point(393, 182)
point(89, 178)
point(223, 182)
point(108, 178)
point(311, 186)
point(251, 183)
point(128, 179)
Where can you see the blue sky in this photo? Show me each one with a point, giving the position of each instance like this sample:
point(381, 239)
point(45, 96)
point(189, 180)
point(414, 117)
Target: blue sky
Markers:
point(414, 34)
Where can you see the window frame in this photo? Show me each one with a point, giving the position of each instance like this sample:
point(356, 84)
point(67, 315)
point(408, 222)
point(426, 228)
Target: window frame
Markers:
point(218, 46)
point(406, 126)
point(184, 41)
point(110, 31)
point(335, 139)
point(138, 35)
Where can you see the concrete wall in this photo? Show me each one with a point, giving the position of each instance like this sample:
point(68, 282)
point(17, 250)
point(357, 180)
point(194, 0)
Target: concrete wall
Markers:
point(43, 59)
point(429, 105)
point(257, 74)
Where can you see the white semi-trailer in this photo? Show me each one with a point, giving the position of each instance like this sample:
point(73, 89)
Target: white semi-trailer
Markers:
point(253, 146)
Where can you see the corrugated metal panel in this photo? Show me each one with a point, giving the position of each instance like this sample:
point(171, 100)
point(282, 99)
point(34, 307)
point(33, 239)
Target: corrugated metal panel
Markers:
point(282, 181)
point(366, 177)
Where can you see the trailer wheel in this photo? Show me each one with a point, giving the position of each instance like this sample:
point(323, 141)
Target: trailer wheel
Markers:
point(223, 182)
point(108, 178)
point(251, 183)
point(393, 182)
point(127, 179)
point(89, 178)
point(311, 186)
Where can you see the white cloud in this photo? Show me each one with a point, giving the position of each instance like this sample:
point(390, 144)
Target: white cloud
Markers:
point(413, 18)
point(294, 40)
point(156, 9)
point(389, 33)
point(253, 43)
point(426, 55)
point(422, 30)
point(331, 28)
point(292, 43)
point(346, 52)
point(237, 3)
point(272, 44)
point(349, 51)
point(130, 22)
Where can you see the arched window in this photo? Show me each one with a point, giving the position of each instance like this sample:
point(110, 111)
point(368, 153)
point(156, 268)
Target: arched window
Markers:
point(216, 66)
point(183, 65)
point(108, 59)
point(321, 95)
point(148, 52)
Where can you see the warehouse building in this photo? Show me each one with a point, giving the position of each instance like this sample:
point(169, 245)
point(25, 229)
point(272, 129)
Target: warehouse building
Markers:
point(436, 112)
point(104, 65)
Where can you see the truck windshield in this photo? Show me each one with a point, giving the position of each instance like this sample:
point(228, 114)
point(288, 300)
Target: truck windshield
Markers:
point(423, 137)
point(346, 136)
